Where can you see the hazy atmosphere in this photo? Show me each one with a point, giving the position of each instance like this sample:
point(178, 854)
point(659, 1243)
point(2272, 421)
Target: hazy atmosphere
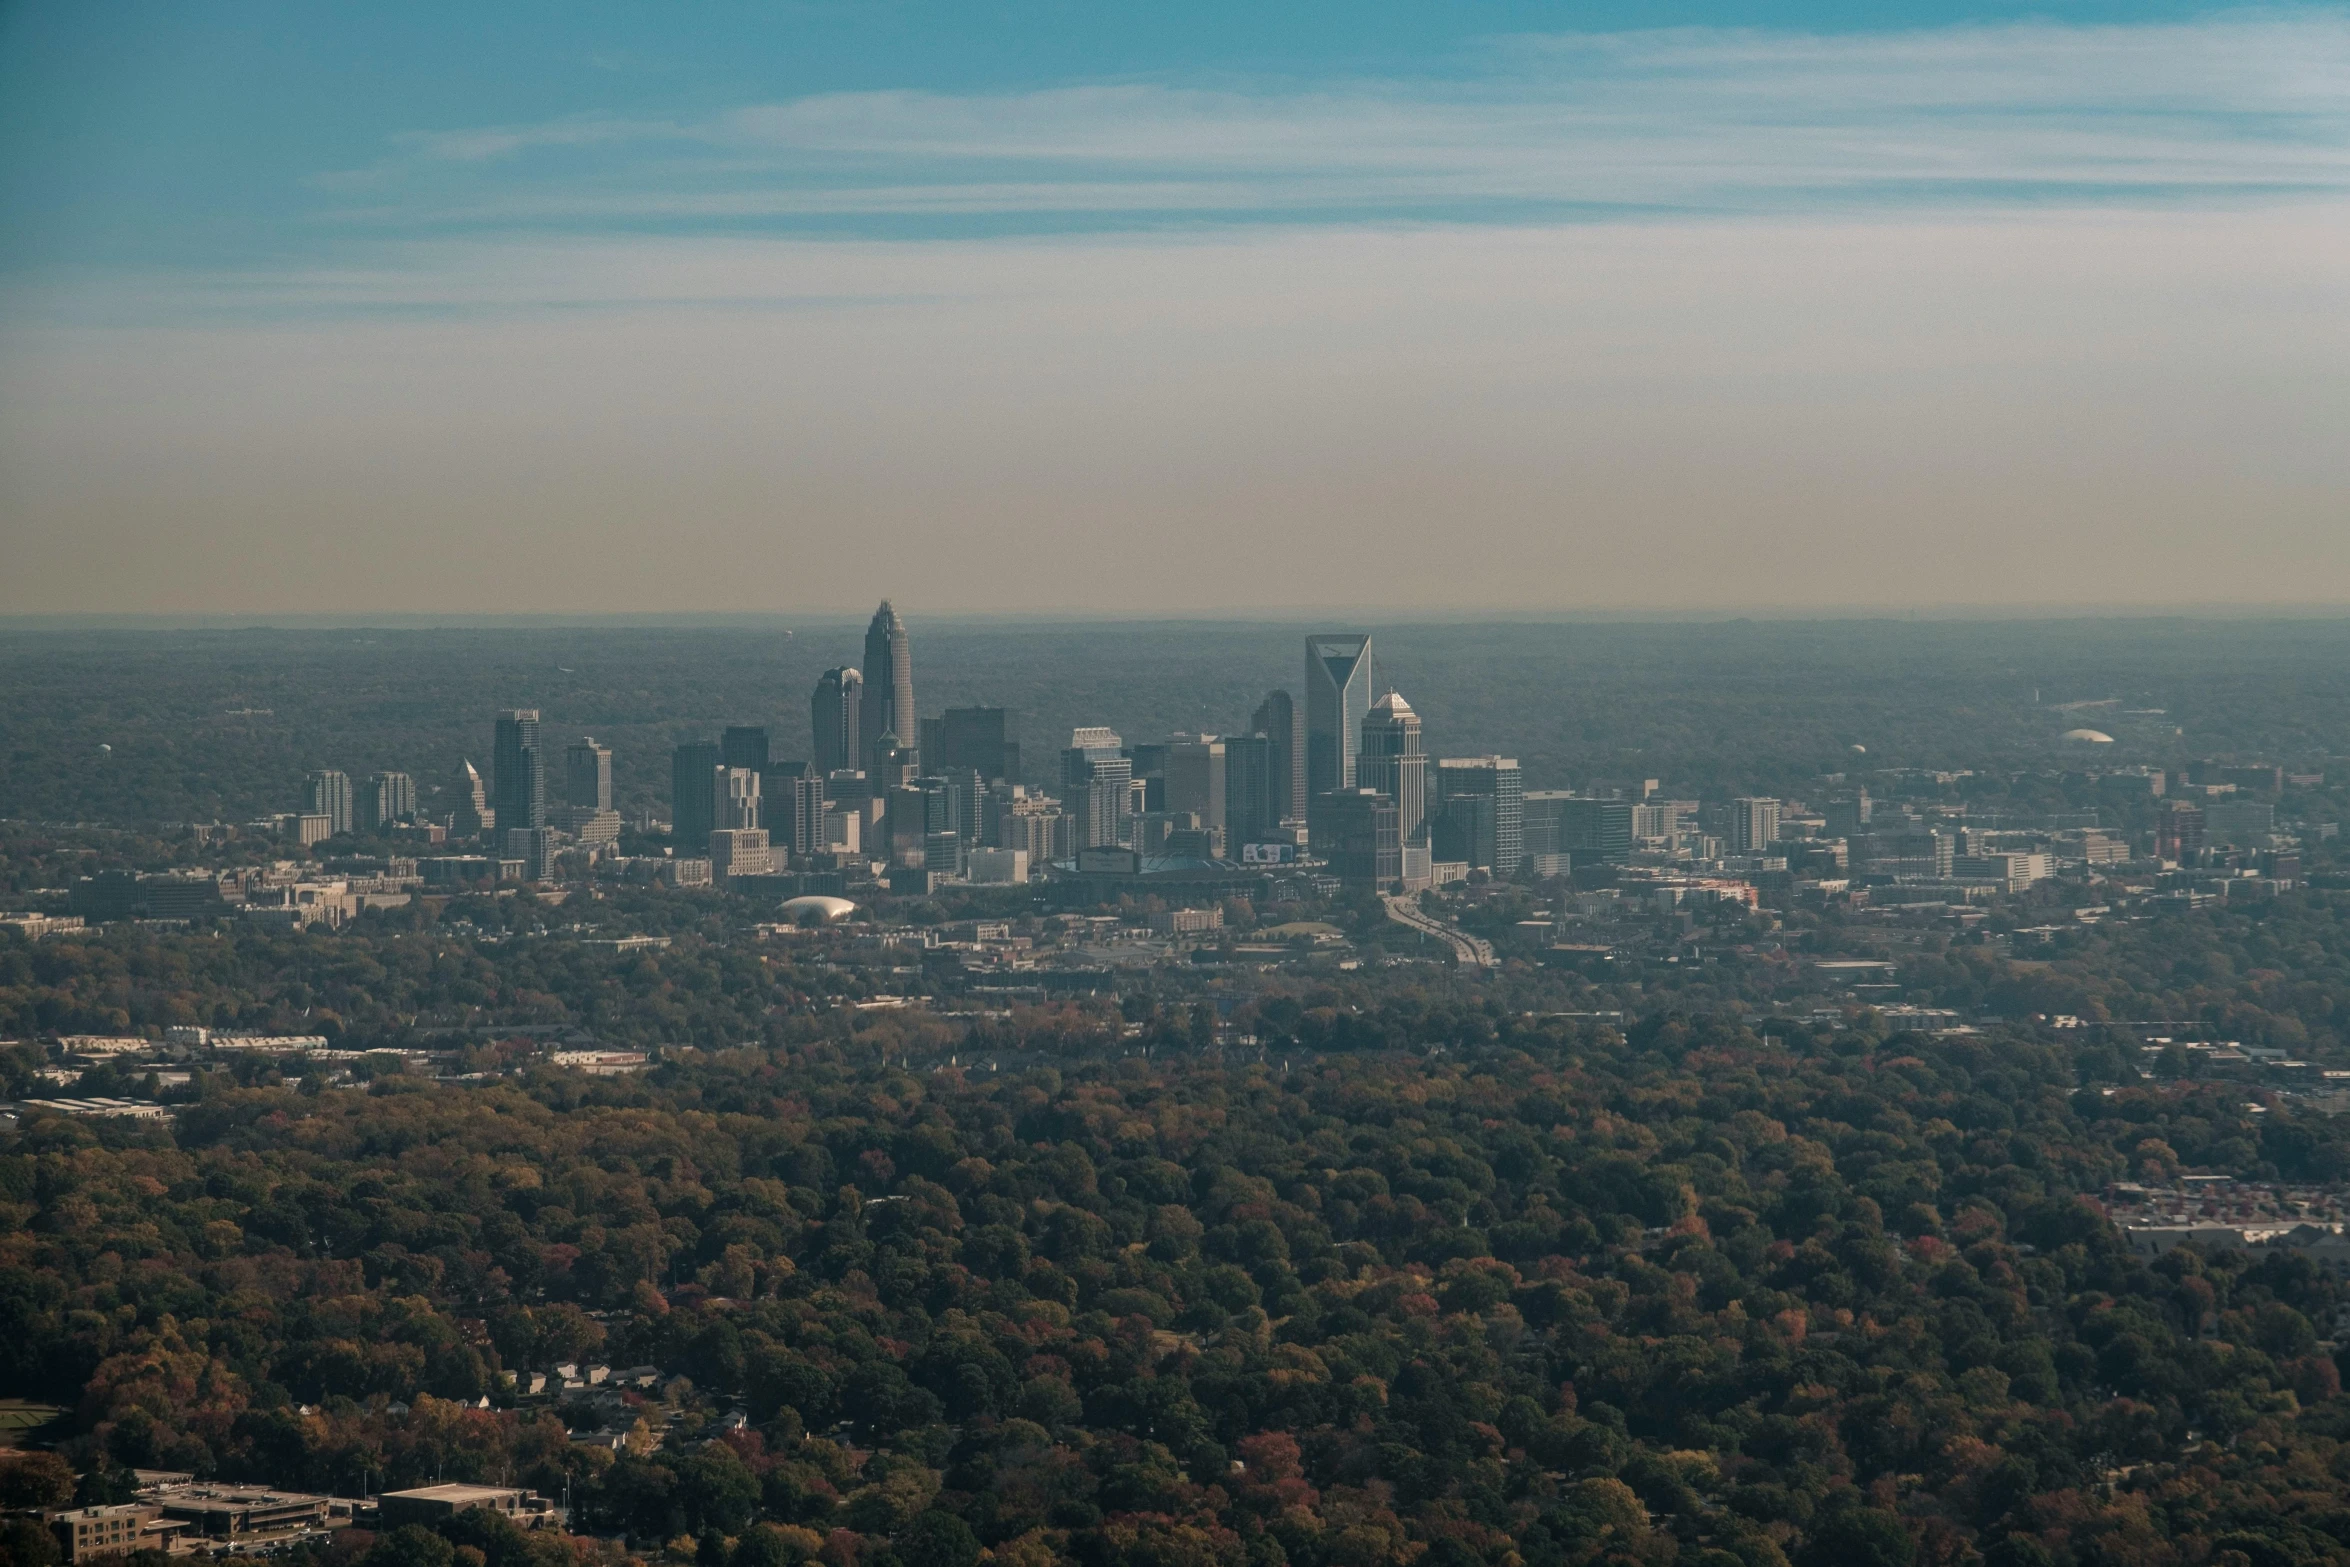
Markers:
point(1517, 308)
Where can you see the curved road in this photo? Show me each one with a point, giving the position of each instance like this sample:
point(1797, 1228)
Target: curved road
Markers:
point(1468, 951)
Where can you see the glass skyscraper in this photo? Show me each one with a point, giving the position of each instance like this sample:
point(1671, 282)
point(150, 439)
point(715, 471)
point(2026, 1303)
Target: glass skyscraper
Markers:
point(518, 771)
point(1338, 699)
point(835, 711)
point(889, 687)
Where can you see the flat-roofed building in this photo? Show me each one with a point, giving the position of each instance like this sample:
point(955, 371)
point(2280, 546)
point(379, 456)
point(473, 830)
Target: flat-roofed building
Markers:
point(429, 1504)
point(241, 1512)
point(87, 1532)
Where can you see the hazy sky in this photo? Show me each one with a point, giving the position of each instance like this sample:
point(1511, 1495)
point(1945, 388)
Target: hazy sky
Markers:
point(580, 307)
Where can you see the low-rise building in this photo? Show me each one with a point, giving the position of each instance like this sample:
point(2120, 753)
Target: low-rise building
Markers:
point(87, 1532)
point(429, 1504)
point(242, 1515)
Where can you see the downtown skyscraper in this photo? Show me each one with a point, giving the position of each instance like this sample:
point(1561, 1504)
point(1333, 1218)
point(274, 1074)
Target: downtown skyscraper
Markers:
point(835, 714)
point(1276, 719)
point(1338, 699)
point(889, 688)
point(518, 772)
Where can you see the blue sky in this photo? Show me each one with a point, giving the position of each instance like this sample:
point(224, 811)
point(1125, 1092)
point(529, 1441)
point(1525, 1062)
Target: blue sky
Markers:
point(196, 133)
point(1888, 301)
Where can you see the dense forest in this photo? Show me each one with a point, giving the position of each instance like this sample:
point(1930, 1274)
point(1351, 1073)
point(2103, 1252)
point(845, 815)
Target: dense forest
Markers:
point(1526, 1293)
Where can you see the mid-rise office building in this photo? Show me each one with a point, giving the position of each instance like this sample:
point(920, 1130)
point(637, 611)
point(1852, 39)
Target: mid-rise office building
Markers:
point(835, 712)
point(1276, 719)
point(693, 767)
point(1595, 832)
point(387, 799)
point(791, 807)
point(1484, 812)
point(535, 847)
point(1754, 824)
point(518, 771)
point(1338, 699)
point(888, 702)
point(739, 851)
point(327, 793)
point(1359, 833)
point(2242, 824)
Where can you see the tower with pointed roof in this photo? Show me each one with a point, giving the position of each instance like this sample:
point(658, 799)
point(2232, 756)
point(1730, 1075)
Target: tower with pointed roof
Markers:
point(1338, 699)
point(1394, 761)
point(888, 705)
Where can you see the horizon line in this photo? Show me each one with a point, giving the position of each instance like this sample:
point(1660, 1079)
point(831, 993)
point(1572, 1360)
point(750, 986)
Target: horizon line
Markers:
point(1957, 612)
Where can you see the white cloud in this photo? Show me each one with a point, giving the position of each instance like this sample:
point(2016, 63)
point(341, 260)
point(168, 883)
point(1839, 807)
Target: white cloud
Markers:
point(1692, 119)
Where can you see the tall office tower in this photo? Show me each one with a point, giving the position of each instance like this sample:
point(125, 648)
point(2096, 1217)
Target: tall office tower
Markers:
point(387, 798)
point(327, 793)
point(1276, 719)
point(970, 790)
point(586, 812)
point(791, 807)
point(1097, 787)
point(518, 771)
point(743, 745)
point(835, 711)
point(889, 686)
point(1198, 774)
point(1364, 837)
point(473, 815)
point(1491, 794)
point(1754, 825)
point(1252, 810)
point(1338, 699)
point(587, 776)
point(973, 737)
point(944, 846)
point(1394, 761)
point(692, 800)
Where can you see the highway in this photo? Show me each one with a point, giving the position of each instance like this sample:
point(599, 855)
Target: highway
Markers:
point(1469, 951)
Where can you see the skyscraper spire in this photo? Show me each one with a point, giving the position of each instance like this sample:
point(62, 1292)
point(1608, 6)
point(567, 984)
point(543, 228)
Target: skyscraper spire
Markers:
point(889, 686)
